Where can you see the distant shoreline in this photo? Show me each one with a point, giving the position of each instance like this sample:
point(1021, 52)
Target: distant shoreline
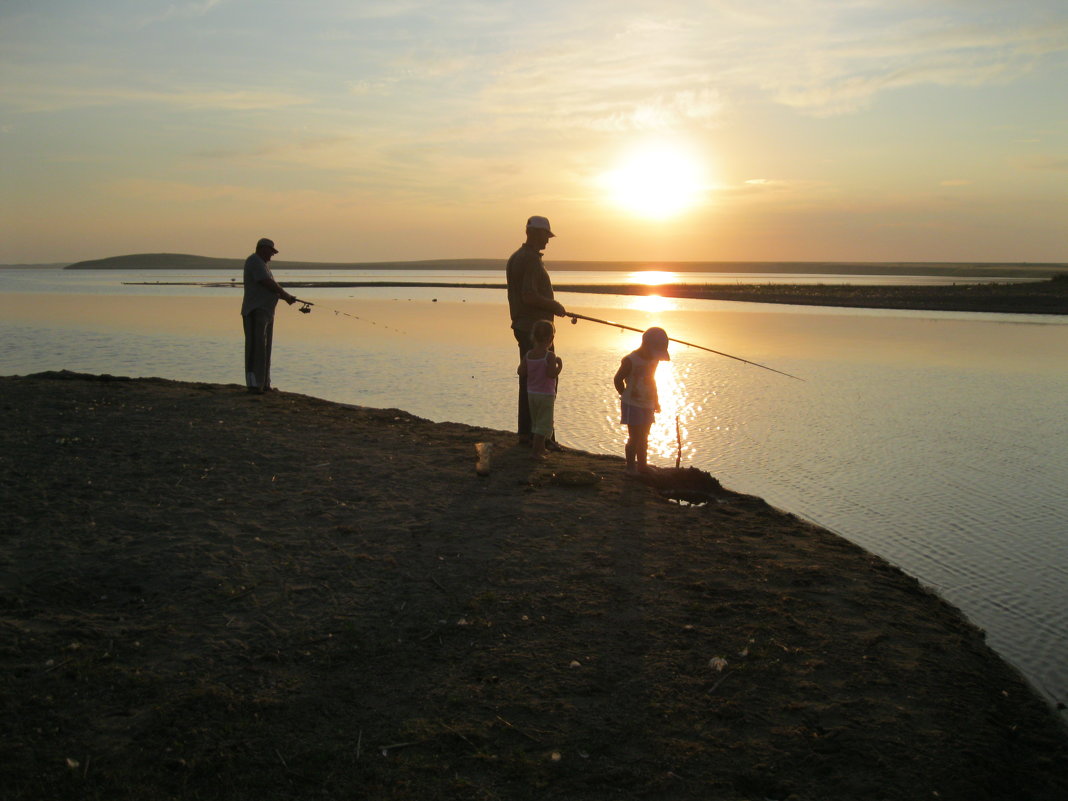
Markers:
point(180, 261)
point(1029, 297)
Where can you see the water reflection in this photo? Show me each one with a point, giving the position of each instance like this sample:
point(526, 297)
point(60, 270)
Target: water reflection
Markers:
point(653, 277)
point(669, 438)
point(651, 304)
point(664, 439)
point(935, 440)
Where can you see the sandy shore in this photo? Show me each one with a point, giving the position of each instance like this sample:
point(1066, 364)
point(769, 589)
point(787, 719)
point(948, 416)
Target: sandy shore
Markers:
point(209, 594)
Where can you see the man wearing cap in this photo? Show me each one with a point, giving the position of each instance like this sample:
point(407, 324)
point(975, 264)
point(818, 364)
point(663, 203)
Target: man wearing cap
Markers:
point(530, 298)
point(257, 312)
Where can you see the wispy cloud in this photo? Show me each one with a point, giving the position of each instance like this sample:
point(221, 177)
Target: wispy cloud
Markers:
point(191, 10)
point(36, 98)
point(821, 58)
point(843, 73)
point(645, 76)
point(757, 188)
point(1046, 163)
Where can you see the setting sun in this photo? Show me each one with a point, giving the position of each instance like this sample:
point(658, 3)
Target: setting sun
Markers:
point(656, 181)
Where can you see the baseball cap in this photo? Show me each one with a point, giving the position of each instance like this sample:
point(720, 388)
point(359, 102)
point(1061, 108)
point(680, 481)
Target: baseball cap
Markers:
point(266, 243)
point(541, 223)
point(656, 339)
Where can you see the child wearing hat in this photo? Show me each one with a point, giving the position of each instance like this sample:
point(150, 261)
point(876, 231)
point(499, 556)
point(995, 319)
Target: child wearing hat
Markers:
point(635, 381)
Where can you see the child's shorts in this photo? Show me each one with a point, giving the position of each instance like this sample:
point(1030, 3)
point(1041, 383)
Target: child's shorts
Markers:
point(541, 413)
point(637, 416)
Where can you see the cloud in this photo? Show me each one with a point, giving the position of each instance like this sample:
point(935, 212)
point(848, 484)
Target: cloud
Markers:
point(759, 189)
point(642, 76)
point(636, 72)
point(47, 97)
point(766, 183)
point(1046, 163)
point(180, 192)
point(192, 10)
point(842, 73)
point(651, 113)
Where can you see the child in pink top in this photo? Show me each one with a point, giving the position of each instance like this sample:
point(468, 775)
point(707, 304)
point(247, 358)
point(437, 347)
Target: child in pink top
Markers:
point(540, 367)
point(635, 381)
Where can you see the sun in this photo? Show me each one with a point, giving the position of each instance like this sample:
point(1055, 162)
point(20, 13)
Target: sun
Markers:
point(656, 181)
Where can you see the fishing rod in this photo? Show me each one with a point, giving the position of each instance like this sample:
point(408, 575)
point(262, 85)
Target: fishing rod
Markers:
point(576, 317)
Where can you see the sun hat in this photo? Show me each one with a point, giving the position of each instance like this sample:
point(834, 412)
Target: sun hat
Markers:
point(266, 243)
point(656, 339)
point(541, 223)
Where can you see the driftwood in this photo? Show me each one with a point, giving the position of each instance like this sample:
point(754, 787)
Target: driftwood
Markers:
point(484, 451)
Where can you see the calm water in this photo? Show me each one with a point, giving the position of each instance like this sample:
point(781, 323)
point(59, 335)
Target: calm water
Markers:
point(938, 441)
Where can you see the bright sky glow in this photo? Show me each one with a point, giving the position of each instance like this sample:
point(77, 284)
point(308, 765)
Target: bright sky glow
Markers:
point(880, 130)
point(655, 182)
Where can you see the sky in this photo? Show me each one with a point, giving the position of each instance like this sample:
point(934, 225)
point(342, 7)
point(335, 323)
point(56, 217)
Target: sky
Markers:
point(675, 130)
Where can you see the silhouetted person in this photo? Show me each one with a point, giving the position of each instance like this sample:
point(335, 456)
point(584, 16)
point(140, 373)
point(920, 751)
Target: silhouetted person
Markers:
point(635, 381)
point(530, 298)
point(540, 367)
point(262, 293)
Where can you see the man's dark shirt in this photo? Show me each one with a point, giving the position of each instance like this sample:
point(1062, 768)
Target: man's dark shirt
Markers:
point(526, 272)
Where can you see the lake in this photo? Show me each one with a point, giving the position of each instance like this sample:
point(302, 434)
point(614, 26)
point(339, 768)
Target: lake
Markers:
point(937, 440)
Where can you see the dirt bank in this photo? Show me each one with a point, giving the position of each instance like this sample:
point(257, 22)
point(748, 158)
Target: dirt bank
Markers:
point(209, 594)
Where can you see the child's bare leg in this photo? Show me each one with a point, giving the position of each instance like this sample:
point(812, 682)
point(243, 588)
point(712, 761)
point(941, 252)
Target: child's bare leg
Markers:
point(641, 448)
point(539, 446)
point(631, 450)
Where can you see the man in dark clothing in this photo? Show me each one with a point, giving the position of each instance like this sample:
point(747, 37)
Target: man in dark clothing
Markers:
point(262, 294)
point(530, 298)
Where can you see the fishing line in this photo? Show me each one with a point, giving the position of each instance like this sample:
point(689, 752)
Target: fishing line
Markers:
point(576, 317)
point(305, 308)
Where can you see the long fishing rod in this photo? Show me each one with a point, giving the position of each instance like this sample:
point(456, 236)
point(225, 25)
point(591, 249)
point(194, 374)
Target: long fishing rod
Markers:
point(576, 317)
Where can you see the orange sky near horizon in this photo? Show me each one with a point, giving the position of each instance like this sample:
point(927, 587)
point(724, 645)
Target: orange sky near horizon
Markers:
point(784, 130)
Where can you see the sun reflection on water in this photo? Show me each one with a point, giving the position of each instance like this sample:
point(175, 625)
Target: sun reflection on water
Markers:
point(651, 304)
point(652, 277)
point(679, 426)
point(664, 436)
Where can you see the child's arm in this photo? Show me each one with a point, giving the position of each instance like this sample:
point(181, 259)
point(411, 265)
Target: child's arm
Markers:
point(556, 366)
point(521, 370)
point(622, 374)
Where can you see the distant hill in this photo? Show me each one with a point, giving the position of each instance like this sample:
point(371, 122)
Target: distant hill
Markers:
point(157, 261)
point(36, 266)
point(185, 261)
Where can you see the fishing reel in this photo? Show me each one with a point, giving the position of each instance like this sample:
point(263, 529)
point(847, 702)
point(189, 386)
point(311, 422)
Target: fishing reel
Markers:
point(305, 307)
